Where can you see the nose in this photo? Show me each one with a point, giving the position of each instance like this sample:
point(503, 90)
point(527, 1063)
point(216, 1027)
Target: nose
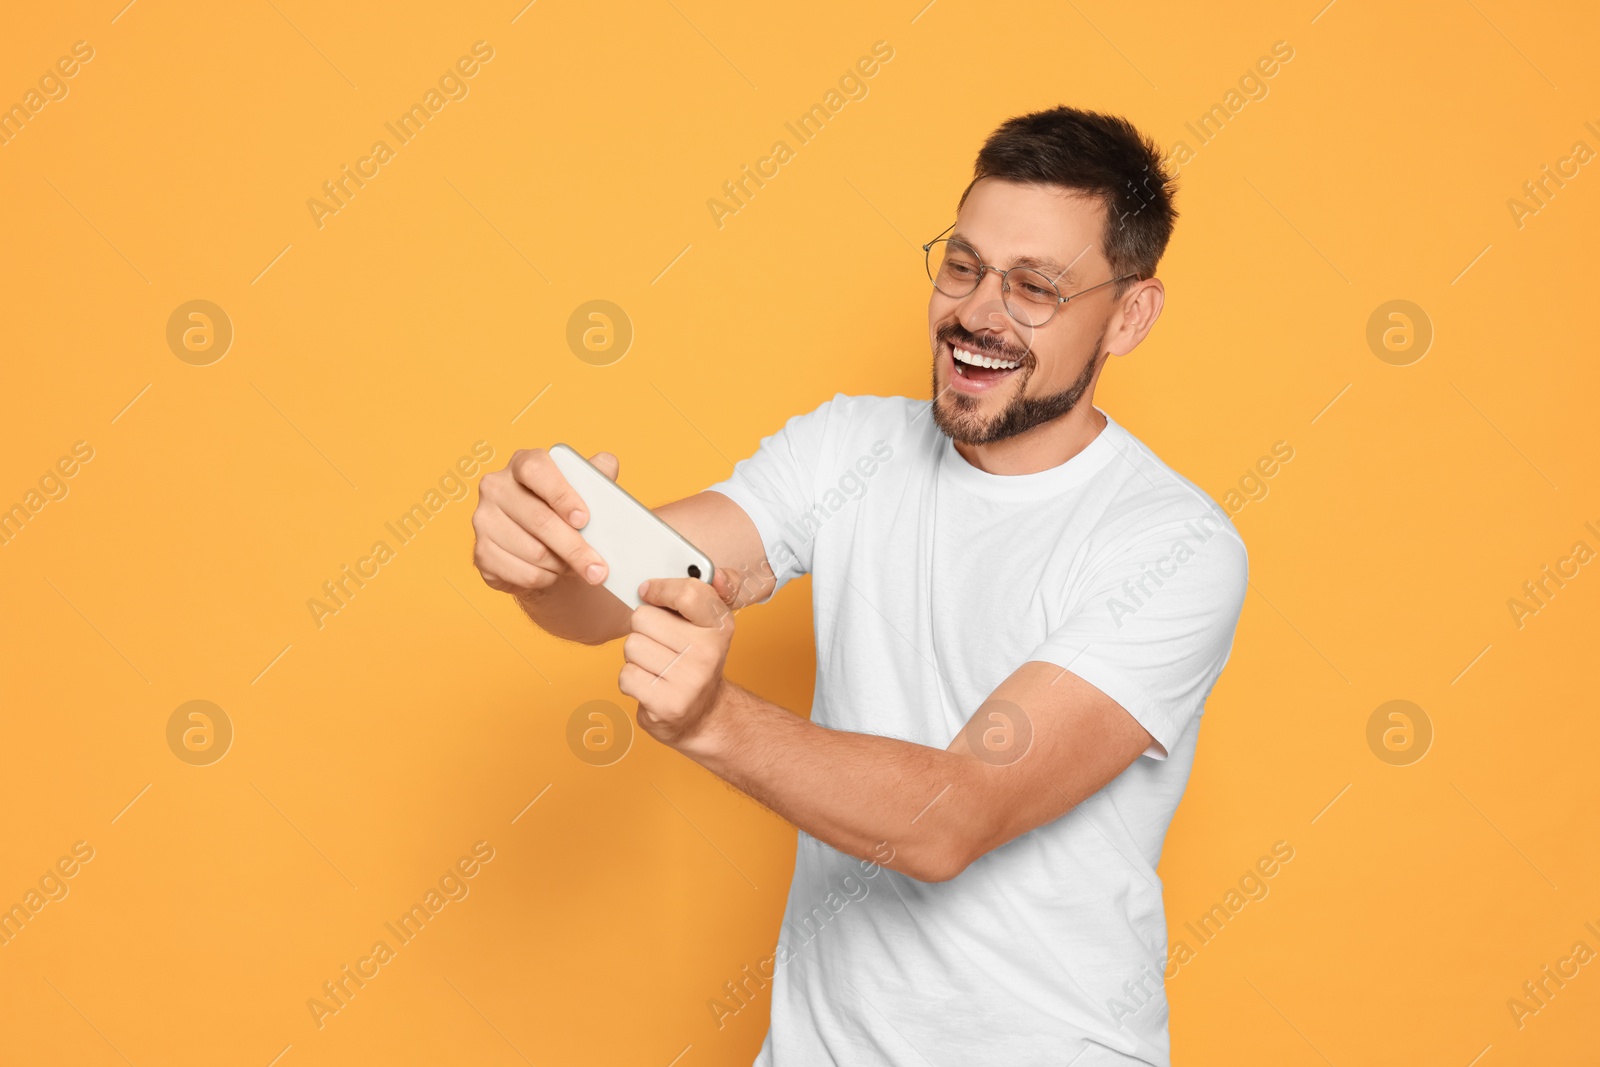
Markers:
point(984, 308)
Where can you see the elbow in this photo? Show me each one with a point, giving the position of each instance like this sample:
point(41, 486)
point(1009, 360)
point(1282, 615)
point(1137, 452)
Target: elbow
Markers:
point(938, 861)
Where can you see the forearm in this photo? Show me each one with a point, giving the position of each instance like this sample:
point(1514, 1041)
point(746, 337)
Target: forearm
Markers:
point(574, 610)
point(853, 791)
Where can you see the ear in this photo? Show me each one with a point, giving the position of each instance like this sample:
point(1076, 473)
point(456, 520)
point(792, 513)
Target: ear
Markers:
point(1136, 313)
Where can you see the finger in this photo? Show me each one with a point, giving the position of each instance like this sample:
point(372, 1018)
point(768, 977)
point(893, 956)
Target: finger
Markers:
point(647, 652)
point(531, 513)
point(634, 681)
point(689, 597)
point(501, 570)
point(725, 585)
point(496, 527)
point(535, 470)
point(664, 625)
point(607, 463)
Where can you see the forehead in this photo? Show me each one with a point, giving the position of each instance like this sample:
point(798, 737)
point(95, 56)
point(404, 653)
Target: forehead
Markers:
point(1010, 223)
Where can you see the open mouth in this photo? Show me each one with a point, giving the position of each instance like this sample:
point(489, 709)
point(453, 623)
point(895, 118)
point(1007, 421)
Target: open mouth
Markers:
point(976, 370)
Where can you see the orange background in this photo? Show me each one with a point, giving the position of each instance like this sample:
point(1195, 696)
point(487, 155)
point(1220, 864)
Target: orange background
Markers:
point(369, 354)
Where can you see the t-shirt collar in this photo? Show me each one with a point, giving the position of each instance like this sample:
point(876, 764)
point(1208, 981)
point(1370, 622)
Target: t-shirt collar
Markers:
point(956, 471)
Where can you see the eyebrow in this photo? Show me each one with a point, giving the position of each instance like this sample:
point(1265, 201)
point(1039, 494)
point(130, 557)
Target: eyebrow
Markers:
point(1049, 267)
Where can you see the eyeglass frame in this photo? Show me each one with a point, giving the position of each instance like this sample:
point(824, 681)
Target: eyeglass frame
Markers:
point(1005, 280)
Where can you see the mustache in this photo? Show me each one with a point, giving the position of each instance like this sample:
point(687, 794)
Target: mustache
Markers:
point(957, 336)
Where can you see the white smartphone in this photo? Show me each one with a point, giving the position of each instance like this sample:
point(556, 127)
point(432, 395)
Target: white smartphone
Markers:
point(633, 541)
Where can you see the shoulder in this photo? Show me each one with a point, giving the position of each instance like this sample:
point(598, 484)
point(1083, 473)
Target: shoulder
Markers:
point(1153, 506)
point(851, 418)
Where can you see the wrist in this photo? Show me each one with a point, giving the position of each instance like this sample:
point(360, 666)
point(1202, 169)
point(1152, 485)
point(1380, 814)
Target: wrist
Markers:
point(714, 734)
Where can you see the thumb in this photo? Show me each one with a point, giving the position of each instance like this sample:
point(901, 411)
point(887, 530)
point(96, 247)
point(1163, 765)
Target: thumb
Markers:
point(722, 581)
point(607, 463)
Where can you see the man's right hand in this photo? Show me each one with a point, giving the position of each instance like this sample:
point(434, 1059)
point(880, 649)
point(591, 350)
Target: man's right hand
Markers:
point(527, 524)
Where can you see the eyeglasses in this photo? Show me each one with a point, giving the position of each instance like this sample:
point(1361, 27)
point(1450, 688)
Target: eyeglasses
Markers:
point(1029, 296)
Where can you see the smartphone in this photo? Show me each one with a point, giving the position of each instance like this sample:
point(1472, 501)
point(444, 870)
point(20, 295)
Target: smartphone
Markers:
point(635, 544)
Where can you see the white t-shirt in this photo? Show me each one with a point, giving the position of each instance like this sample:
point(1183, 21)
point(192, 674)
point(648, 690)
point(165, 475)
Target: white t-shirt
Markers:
point(932, 581)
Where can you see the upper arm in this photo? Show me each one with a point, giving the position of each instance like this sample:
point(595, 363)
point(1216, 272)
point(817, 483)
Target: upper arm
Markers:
point(721, 529)
point(758, 523)
point(1123, 675)
point(1043, 742)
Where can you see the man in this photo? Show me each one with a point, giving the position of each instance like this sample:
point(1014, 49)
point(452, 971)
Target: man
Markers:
point(1019, 613)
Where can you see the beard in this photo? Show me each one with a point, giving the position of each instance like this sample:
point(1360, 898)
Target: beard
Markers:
point(959, 419)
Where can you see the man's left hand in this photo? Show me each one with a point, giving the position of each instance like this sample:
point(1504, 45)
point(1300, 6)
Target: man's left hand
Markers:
point(675, 653)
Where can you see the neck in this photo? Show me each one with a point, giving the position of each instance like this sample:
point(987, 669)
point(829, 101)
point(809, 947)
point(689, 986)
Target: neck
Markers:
point(1041, 448)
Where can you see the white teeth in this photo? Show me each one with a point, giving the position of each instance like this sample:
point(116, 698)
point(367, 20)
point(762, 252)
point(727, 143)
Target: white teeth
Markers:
point(975, 360)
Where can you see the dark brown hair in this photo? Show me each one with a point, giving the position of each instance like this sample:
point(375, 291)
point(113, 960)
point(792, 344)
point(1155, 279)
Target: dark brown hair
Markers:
point(1099, 155)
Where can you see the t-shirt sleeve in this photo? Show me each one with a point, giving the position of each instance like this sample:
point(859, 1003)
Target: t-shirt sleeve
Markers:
point(1157, 623)
point(776, 486)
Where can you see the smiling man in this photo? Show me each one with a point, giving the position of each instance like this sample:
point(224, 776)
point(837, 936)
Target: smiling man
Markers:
point(1020, 611)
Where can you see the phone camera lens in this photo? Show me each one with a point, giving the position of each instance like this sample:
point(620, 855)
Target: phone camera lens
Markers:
point(694, 570)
